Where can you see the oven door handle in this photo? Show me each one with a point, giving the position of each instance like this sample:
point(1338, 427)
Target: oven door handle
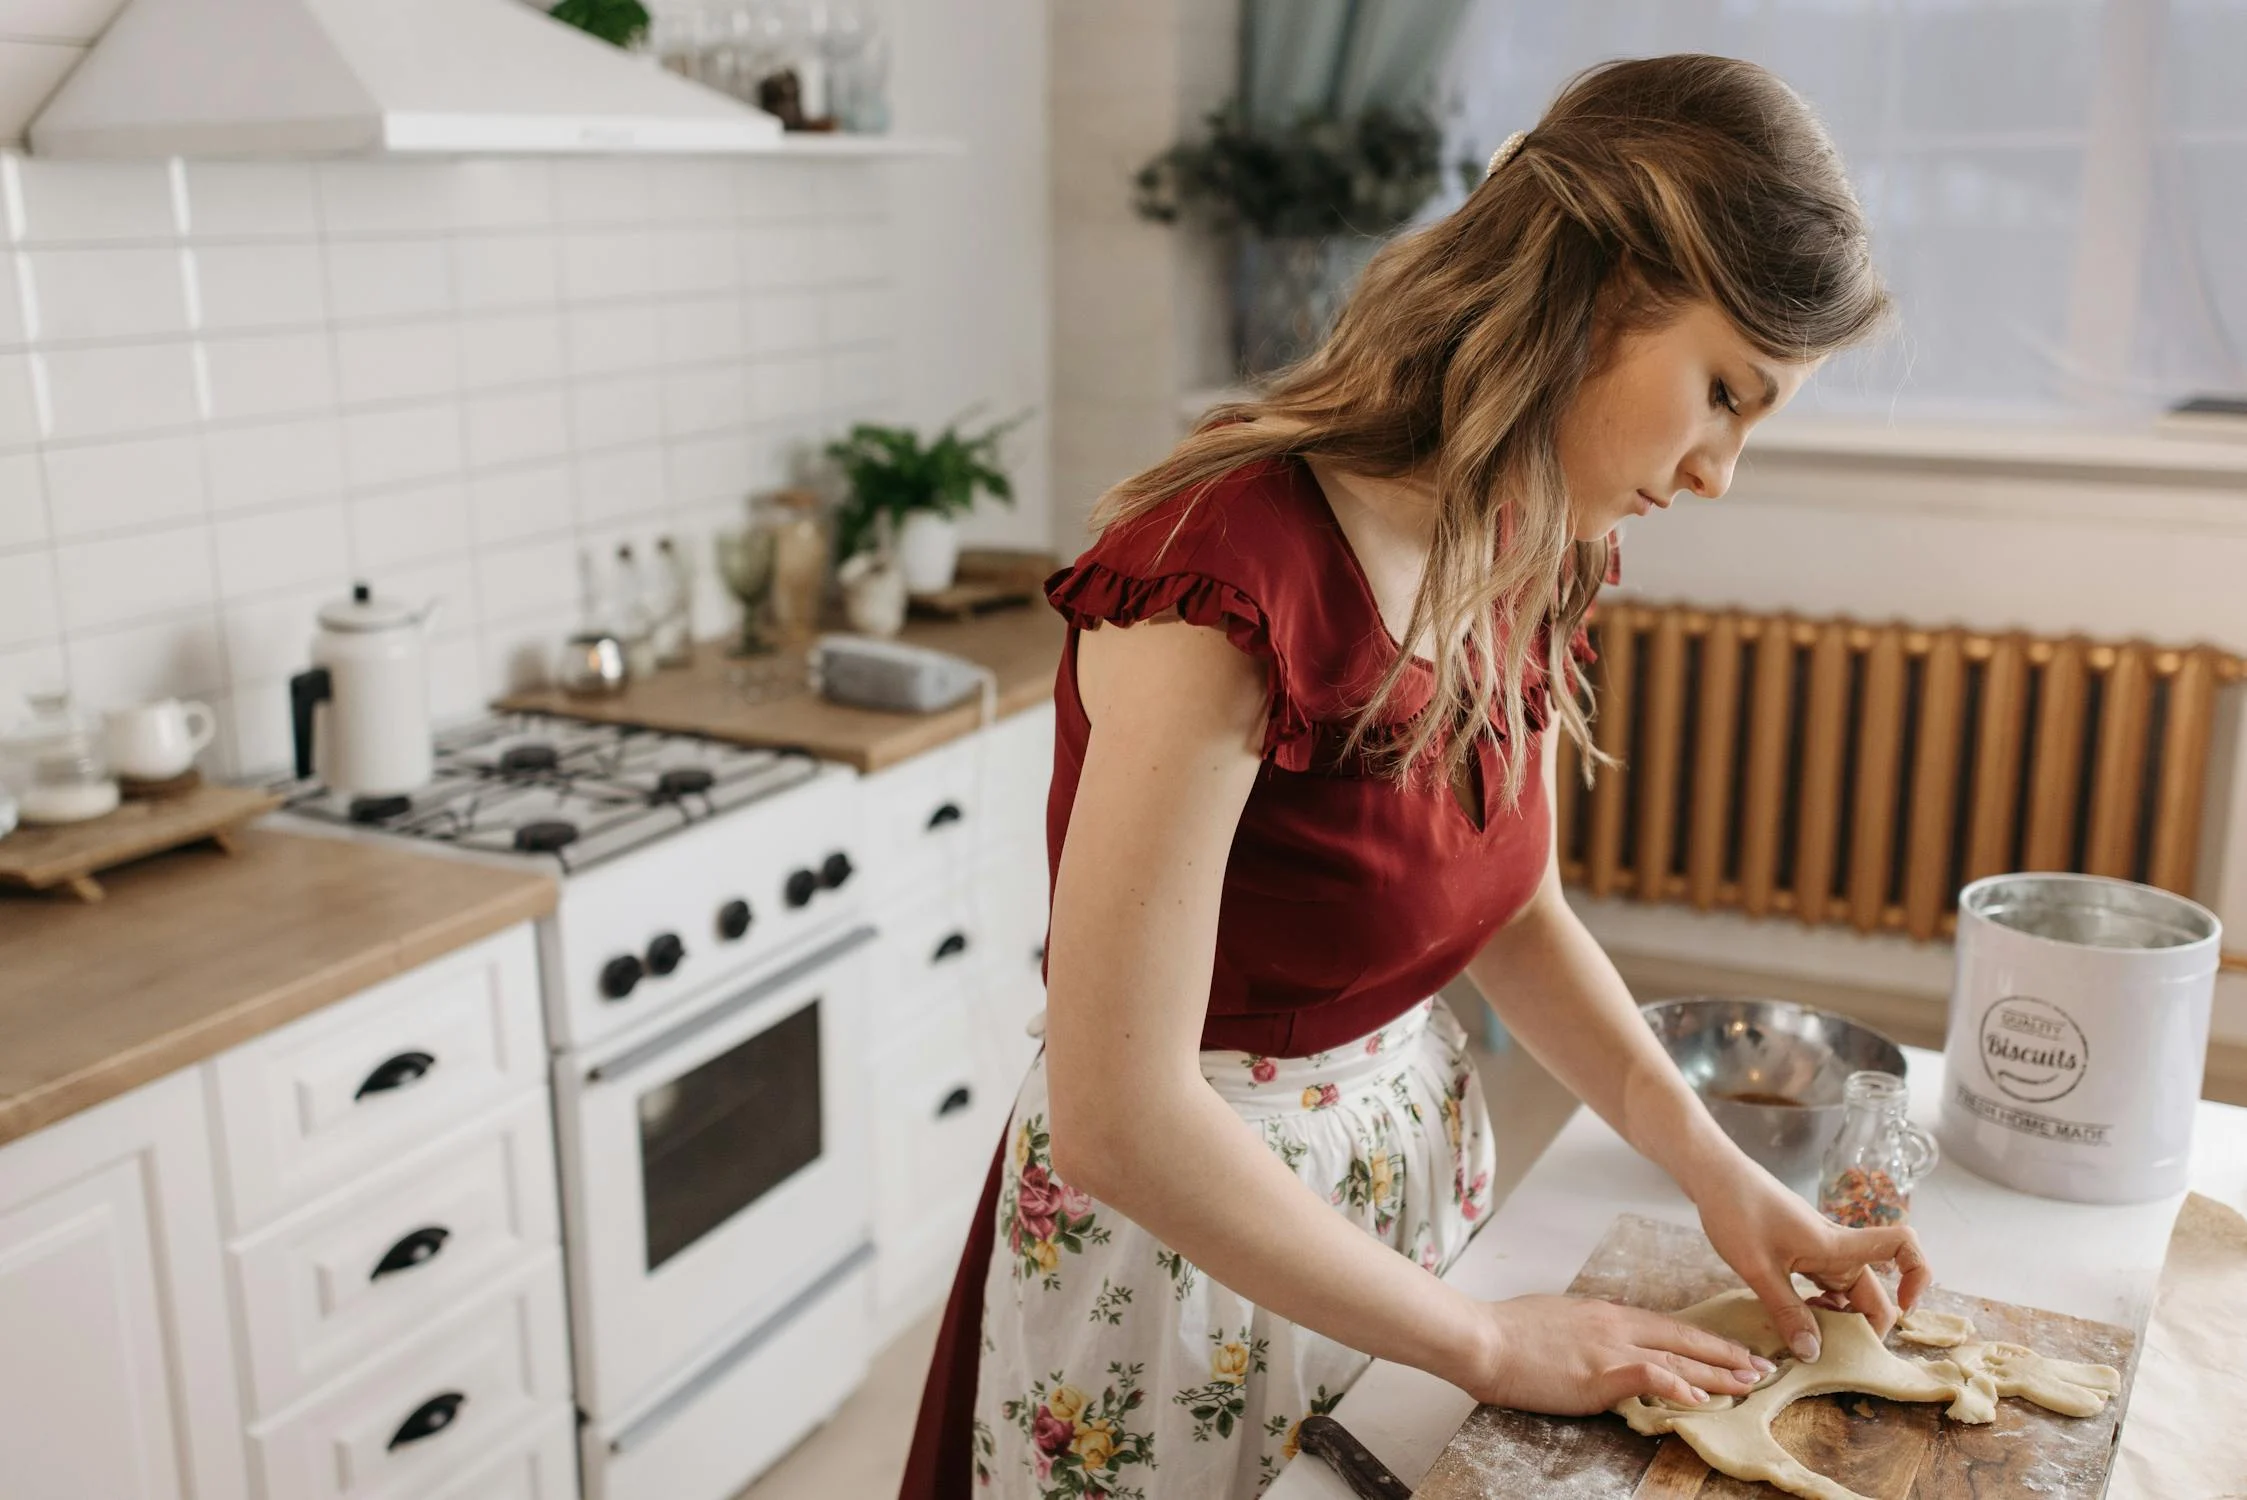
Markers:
point(624, 1064)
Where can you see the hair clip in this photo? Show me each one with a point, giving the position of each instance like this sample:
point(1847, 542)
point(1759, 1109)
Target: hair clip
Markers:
point(1505, 153)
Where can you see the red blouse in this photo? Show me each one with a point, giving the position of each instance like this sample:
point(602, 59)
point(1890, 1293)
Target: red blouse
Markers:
point(1347, 899)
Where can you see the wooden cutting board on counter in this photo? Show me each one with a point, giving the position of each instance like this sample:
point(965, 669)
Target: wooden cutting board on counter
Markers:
point(1887, 1449)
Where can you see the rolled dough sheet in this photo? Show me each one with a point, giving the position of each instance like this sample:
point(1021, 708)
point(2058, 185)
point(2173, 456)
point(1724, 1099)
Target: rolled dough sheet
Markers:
point(2182, 1438)
point(1734, 1437)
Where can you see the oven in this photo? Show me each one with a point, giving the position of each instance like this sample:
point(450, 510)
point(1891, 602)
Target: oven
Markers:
point(720, 1220)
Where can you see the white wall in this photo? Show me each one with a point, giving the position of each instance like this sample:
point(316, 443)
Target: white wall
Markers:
point(229, 390)
point(1139, 309)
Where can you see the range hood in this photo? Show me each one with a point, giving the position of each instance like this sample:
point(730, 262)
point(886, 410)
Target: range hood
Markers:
point(265, 78)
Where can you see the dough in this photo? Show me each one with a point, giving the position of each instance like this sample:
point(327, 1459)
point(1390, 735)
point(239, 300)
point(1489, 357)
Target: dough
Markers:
point(1734, 1436)
point(1935, 1330)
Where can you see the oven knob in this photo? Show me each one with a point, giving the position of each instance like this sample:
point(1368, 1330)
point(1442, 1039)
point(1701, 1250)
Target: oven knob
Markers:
point(801, 887)
point(619, 975)
point(733, 920)
point(664, 953)
point(834, 870)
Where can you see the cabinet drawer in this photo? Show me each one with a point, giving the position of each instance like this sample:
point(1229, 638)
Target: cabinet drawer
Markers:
point(403, 1427)
point(925, 817)
point(938, 1106)
point(324, 1099)
point(540, 1463)
point(334, 1284)
point(1017, 773)
point(928, 950)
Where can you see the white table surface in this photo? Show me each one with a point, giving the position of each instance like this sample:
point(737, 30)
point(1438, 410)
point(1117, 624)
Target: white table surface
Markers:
point(1982, 1240)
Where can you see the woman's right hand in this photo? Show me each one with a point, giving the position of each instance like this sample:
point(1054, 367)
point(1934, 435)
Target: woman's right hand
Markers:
point(1573, 1356)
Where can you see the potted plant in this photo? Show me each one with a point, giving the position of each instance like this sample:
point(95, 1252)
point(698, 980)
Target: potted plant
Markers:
point(915, 493)
point(1311, 202)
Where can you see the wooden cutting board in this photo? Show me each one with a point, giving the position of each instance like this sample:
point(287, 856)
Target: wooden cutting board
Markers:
point(1887, 1449)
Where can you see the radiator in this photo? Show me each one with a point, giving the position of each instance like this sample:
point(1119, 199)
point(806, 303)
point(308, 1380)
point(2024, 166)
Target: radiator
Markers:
point(1845, 773)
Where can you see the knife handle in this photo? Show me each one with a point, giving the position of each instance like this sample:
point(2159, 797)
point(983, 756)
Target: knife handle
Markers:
point(1367, 1477)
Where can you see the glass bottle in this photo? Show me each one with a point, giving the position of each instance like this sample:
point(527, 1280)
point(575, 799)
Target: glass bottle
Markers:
point(674, 593)
point(633, 621)
point(1867, 1176)
point(799, 566)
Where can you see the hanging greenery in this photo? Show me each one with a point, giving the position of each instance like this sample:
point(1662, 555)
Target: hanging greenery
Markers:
point(620, 23)
point(1364, 175)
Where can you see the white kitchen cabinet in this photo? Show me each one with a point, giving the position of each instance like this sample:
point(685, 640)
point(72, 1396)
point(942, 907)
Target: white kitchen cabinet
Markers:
point(957, 979)
point(116, 1359)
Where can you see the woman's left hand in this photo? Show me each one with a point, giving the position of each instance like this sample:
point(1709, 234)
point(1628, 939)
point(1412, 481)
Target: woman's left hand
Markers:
point(1767, 1234)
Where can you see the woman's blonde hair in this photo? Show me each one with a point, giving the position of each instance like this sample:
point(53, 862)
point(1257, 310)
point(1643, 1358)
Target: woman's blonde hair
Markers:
point(1649, 184)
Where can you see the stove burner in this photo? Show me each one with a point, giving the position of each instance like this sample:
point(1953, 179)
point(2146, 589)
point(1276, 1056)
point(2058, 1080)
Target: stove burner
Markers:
point(684, 782)
point(379, 809)
point(525, 760)
point(545, 837)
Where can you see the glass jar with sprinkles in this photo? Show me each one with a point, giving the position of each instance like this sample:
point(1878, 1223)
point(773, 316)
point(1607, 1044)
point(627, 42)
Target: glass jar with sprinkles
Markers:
point(1868, 1172)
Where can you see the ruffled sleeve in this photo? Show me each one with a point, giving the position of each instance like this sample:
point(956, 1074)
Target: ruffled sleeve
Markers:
point(1241, 559)
point(1092, 593)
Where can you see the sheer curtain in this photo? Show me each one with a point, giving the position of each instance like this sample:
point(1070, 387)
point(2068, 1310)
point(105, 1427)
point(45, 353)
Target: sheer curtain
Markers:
point(2057, 189)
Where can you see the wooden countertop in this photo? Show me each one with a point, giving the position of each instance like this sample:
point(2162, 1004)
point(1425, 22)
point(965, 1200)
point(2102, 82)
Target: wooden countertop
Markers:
point(1022, 645)
point(196, 951)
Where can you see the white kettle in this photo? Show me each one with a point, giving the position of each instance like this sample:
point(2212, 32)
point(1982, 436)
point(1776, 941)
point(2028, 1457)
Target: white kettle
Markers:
point(362, 712)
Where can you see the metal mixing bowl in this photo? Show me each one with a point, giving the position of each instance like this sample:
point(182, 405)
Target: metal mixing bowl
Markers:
point(1745, 1057)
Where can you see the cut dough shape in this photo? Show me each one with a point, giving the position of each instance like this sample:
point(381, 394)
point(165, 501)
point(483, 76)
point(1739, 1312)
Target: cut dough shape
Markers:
point(1934, 1330)
point(1735, 1438)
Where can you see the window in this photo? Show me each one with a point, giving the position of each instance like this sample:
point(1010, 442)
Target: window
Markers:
point(2056, 189)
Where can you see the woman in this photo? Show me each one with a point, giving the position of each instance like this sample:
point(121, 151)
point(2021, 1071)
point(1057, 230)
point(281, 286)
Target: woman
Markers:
point(1253, 1142)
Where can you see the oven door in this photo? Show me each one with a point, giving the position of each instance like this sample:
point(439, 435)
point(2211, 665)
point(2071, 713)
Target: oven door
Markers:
point(720, 1167)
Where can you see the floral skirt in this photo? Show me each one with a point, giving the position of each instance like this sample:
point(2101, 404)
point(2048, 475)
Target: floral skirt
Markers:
point(1111, 1366)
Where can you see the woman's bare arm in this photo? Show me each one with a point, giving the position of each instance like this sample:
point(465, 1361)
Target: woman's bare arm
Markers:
point(1177, 714)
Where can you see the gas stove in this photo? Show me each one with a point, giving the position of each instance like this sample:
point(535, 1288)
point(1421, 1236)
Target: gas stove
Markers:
point(562, 793)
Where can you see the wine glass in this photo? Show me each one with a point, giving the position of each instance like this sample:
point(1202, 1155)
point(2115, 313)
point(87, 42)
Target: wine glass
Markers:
point(745, 562)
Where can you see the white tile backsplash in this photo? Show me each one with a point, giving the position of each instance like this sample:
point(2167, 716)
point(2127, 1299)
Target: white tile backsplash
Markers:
point(27, 598)
point(108, 294)
point(610, 339)
point(266, 375)
point(23, 501)
point(390, 447)
point(289, 548)
point(121, 579)
point(238, 392)
point(120, 486)
point(19, 410)
point(389, 279)
point(92, 202)
point(514, 427)
point(385, 198)
point(510, 505)
point(396, 362)
point(613, 412)
point(252, 200)
point(494, 271)
point(174, 657)
point(260, 286)
point(403, 526)
point(264, 464)
point(117, 390)
point(506, 349)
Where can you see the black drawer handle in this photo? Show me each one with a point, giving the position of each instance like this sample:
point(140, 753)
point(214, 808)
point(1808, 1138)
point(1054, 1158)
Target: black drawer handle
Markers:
point(430, 1418)
point(396, 1073)
point(948, 813)
point(954, 1102)
point(422, 1245)
point(952, 946)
